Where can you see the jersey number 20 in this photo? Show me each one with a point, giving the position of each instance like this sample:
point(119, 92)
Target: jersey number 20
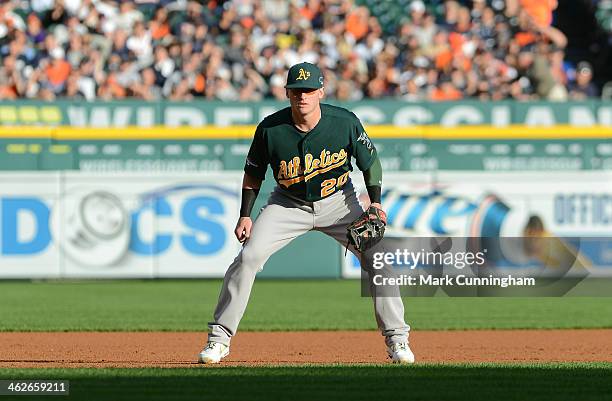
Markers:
point(328, 186)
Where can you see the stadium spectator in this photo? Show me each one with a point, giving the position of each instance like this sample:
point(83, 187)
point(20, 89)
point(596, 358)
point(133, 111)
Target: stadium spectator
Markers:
point(237, 49)
point(57, 71)
point(583, 88)
point(540, 11)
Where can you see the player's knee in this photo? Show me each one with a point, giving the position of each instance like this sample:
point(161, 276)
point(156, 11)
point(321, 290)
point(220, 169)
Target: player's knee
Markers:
point(252, 259)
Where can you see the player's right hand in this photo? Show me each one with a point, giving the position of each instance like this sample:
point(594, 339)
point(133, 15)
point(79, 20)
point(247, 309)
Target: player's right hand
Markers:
point(243, 229)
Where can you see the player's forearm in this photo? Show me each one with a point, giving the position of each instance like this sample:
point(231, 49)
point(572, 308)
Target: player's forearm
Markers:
point(250, 190)
point(250, 182)
point(373, 181)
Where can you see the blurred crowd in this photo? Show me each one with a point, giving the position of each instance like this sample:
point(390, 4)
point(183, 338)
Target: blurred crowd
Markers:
point(241, 49)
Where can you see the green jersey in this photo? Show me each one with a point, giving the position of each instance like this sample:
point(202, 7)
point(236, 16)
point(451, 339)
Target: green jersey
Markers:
point(310, 165)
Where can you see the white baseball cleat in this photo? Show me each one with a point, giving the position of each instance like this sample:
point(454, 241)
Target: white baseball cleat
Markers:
point(400, 353)
point(213, 352)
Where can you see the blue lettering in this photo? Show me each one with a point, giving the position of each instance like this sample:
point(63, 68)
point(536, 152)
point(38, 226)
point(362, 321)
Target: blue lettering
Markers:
point(395, 208)
point(559, 209)
point(570, 209)
point(493, 219)
point(11, 245)
point(160, 243)
point(584, 209)
point(417, 212)
point(444, 211)
point(214, 231)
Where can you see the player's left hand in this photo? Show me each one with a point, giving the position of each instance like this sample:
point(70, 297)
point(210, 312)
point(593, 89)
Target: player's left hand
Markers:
point(243, 229)
point(368, 229)
point(383, 215)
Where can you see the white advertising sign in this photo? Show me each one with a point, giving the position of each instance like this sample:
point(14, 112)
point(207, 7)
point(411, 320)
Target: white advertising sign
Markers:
point(72, 224)
point(485, 204)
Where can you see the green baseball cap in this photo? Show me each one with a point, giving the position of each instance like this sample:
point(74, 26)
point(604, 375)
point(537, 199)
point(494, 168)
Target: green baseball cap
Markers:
point(304, 76)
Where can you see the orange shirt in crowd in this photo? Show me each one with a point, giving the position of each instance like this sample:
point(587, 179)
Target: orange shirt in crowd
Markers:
point(443, 60)
point(308, 13)
point(540, 10)
point(456, 41)
point(58, 71)
point(357, 24)
point(448, 94)
point(200, 84)
point(117, 90)
point(8, 92)
point(159, 31)
point(524, 38)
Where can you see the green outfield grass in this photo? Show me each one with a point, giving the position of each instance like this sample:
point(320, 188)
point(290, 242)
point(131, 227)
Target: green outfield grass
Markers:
point(370, 382)
point(186, 305)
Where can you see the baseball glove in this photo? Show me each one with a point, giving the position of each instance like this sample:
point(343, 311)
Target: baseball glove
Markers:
point(367, 230)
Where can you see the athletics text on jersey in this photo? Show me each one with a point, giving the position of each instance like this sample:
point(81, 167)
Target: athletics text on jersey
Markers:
point(313, 165)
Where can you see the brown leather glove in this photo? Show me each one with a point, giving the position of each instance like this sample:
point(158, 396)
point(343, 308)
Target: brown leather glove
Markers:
point(367, 230)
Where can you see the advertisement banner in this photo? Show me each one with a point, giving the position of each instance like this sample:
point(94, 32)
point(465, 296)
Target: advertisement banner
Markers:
point(74, 224)
point(486, 204)
point(128, 225)
point(26, 201)
point(396, 112)
point(418, 153)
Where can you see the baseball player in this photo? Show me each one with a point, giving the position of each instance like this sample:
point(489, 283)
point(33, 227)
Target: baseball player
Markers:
point(309, 146)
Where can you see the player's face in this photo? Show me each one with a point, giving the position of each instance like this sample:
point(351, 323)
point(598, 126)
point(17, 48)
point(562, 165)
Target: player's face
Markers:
point(304, 101)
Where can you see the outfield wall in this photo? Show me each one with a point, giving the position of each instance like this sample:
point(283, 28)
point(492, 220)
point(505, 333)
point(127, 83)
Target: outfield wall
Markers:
point(168, 197)
point(399, 113)
point(204, 149)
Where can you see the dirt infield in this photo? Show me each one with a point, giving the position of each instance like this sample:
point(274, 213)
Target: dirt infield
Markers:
point(161, 349)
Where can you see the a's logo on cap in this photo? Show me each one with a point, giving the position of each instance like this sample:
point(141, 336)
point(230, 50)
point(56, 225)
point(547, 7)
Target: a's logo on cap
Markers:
point(303, 75)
